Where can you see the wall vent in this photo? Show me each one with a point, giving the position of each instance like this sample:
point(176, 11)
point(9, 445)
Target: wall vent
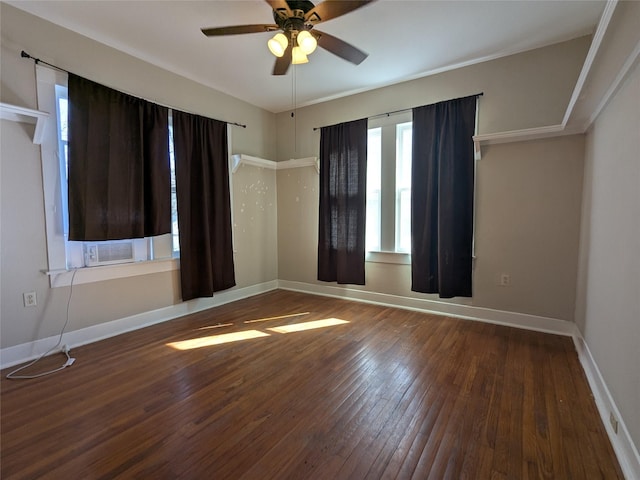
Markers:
point(108, 253)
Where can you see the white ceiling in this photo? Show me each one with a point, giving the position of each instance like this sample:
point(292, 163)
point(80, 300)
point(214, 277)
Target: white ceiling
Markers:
point(404, 39)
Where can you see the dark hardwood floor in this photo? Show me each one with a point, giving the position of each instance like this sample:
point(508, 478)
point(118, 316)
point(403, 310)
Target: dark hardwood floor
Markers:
point(387, 394)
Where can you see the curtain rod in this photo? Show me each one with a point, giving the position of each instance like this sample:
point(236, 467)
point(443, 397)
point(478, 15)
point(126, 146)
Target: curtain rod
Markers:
point(386, 114)
point(24, 54)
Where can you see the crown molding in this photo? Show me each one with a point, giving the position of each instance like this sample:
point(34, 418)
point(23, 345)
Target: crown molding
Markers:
point(561, 129)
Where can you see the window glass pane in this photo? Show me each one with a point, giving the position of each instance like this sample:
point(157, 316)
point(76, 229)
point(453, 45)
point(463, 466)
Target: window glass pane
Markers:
point(403, 186)
point(62, 113)
point(62, 118)
point(174, 199)
point(75, 250)
point(374, 184)
point(403, 155)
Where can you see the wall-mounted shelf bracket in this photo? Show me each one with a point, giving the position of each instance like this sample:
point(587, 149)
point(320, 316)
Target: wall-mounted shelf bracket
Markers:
point(239, 159)
point(25, 115)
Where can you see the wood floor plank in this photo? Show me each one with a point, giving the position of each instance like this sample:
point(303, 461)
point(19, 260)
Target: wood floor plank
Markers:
point(387, 393)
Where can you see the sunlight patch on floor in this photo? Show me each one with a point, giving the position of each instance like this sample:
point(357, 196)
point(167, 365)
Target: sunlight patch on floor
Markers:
point(216, 339)
point(220, 325)
point(277, 318)
point(222, 338)
point(299, 327)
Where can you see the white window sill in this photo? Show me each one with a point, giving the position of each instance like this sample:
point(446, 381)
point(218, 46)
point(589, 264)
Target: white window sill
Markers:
point(399, 258)
point(62, 278)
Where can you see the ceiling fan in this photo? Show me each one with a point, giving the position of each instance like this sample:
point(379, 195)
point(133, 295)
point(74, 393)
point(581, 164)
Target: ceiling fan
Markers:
point(296, 20)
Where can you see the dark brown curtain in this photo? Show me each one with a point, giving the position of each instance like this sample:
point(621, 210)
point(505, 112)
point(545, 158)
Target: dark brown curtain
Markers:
point(119, 174)
point(343, 175)
point(442, 198)
point(204, 205)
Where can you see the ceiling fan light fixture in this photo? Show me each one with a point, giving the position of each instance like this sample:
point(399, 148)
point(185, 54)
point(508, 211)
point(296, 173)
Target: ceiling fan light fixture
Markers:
point(294, 31)
point(306, 42)
point(298, 56)
point(278, 44)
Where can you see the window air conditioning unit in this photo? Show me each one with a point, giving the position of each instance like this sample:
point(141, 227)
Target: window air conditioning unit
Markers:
point(109, 253)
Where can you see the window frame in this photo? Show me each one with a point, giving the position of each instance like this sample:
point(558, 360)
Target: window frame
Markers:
point(388, 252)
point(60, 274)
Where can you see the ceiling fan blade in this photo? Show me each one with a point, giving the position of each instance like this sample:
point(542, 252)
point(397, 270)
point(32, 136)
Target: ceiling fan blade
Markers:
point(340, 48)
point(278, 5)
point(282, 63)
point(238, 29)
point(332, 8)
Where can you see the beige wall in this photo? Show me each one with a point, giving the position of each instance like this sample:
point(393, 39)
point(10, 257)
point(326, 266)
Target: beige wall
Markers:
point(621, 38)
point(22, 239)
point(298, 224)
point(78, 54)
point(530, 89)
point(527, 225)
point(528, 193)
point(608, 306)
point(255, 224)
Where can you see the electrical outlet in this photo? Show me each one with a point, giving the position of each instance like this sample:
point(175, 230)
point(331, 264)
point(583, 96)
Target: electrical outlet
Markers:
point(614, 422)
point(505, 280)
point(29, 299)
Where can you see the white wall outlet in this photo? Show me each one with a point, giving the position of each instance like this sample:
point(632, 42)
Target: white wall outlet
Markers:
point(505, 280)
point(29, 299)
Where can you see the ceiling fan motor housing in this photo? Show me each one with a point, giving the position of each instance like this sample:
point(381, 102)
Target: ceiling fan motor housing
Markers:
point(295, 22)
point(304, 5)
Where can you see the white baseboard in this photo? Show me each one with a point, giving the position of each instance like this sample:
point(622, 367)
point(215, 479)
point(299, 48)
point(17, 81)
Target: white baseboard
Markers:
point(467, 312)
point(623, 445)
point(18, 354)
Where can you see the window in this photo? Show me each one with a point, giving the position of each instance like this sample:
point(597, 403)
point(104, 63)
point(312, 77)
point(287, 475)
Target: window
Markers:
point(389, 186)
point(85, 254)
point(374, 189)
point(175, 243)
point(403, 187)
point(63, 254)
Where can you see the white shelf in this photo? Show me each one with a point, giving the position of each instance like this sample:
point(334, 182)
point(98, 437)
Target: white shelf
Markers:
point(521, 136)
point(241, 158)
point(25, 115)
